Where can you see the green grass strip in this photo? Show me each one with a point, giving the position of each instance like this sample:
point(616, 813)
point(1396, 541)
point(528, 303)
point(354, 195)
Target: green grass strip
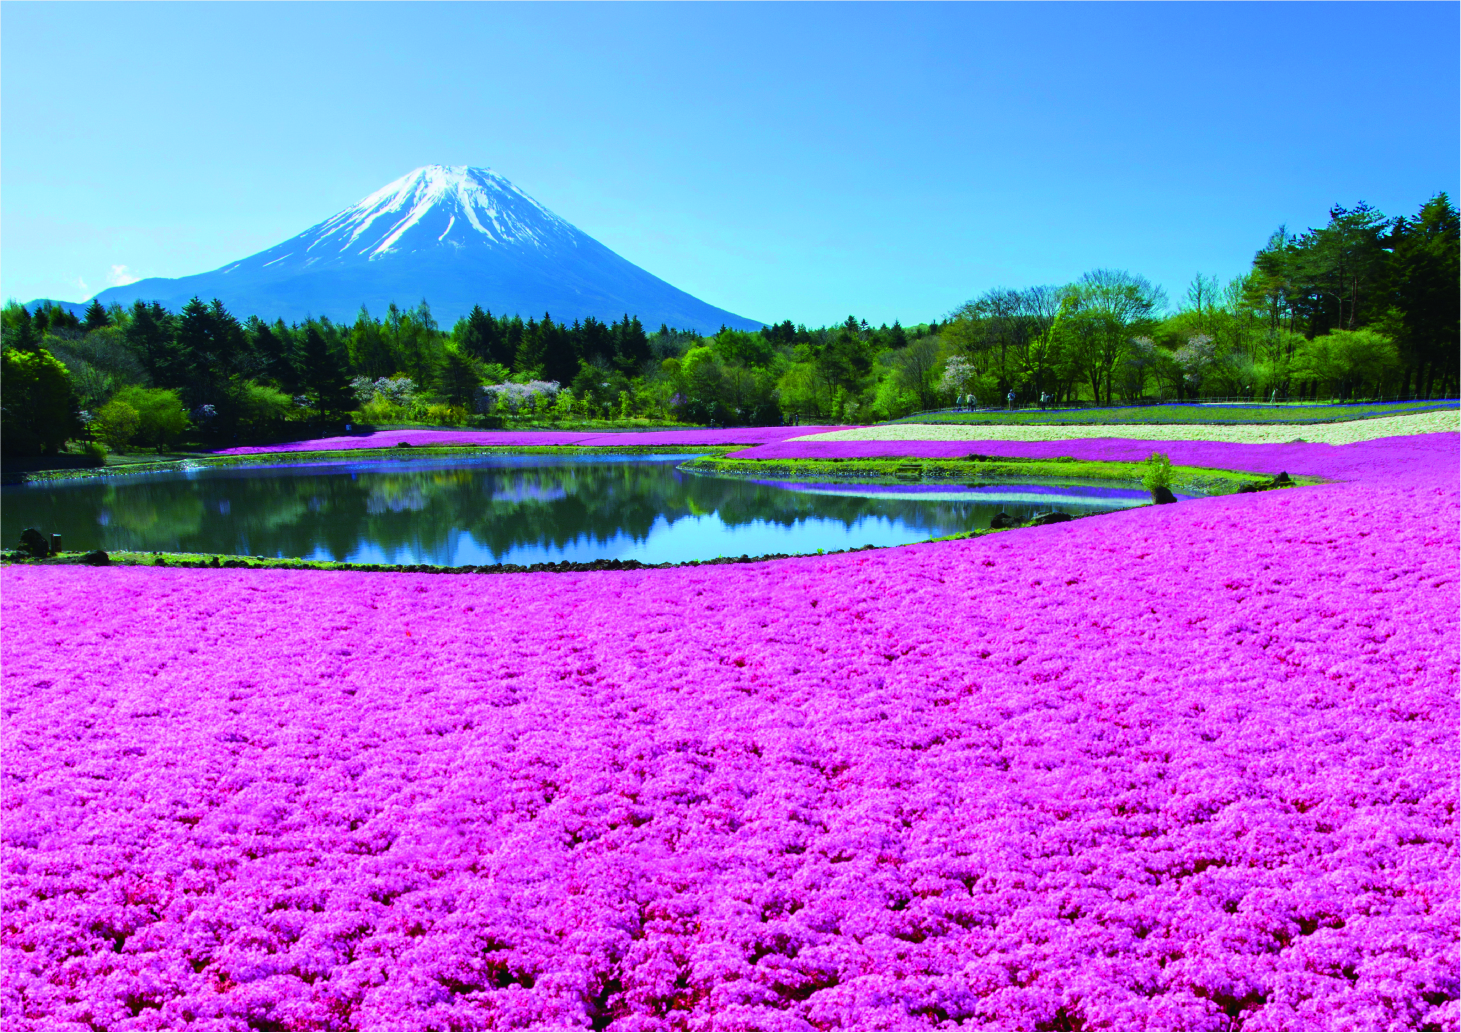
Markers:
point(1191, 480)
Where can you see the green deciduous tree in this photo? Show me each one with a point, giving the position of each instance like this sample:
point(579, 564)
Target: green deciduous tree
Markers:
point(160, 413)
point(116, 424)
point(39, 407)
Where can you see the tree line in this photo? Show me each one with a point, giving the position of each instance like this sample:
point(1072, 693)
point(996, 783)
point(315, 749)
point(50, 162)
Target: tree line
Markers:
point(1362, 306)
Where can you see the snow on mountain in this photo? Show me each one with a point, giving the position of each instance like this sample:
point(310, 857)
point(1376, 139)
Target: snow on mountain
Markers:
point(455, 235)
point(421, 210)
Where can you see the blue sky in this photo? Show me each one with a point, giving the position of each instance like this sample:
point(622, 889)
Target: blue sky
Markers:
point(781, 161)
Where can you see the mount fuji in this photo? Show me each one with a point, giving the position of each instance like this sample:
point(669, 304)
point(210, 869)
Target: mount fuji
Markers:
point(454, 235)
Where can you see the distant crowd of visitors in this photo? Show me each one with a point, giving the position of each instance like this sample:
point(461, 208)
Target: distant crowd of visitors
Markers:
point(969, 402)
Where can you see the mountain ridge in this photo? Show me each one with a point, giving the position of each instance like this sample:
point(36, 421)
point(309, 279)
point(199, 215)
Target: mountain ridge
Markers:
point(455, 235)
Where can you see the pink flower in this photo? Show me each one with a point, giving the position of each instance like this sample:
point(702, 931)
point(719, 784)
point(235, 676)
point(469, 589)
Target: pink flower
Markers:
point(1183, 766)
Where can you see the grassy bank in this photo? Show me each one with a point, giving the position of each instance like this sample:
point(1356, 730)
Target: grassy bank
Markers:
point(976, 470)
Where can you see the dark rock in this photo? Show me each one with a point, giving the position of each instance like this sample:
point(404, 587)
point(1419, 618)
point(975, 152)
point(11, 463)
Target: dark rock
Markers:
point(1247, 488)
point(403, 444)
point(1041, 519)
point(55, 545)
point(1163, 496)
point(215, 562)
point(161, 562)
point(96, 558)
point(1000, 521)
point(33, 543)
point(1282, 478)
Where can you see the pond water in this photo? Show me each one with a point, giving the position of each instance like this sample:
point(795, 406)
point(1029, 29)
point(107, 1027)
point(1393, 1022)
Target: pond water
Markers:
point(508, 509)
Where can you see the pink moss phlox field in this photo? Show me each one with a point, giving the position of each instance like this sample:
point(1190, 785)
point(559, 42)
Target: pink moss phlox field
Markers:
point(1183, 767)
point(419, 437)
point(1369, 460)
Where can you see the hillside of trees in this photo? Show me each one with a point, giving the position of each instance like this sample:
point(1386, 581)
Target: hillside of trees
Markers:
point(1363, 307)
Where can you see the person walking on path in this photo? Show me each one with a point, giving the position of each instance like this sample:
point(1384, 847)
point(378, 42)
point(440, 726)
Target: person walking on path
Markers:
point(1011, 399)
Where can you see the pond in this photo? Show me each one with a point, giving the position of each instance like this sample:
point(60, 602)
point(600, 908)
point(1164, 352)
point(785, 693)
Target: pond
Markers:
point(508, 509)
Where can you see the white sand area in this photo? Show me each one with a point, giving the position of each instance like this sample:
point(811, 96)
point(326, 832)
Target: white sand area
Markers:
point(1239, 433)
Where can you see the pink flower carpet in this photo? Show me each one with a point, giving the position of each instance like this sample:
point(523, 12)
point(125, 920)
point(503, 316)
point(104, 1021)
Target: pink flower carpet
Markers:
point(419, 438)
point(1180, 767)
point(1368, 460)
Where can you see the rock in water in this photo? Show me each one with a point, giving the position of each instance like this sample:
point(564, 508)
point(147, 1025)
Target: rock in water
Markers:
point(1001, 520)
point(1041, 519)
point(96, 558)
point(33, 543)
point(1163, 496)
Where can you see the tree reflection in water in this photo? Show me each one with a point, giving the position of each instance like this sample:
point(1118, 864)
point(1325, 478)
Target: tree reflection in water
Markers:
point(491, 509)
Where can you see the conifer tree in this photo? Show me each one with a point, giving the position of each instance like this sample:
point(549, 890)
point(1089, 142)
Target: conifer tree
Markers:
point(152, 335)
point(559, 357)
point(460, 376)
point(1427, 261)
point(325, 374)
point(23, 337)
point(480, 336)
point(96, 316)
point(529, 355)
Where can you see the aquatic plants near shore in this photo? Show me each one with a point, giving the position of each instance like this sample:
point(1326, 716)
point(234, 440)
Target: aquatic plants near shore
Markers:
point(1186, 767)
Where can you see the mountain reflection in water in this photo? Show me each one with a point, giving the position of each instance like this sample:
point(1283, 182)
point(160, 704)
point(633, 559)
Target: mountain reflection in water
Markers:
point(508, 509)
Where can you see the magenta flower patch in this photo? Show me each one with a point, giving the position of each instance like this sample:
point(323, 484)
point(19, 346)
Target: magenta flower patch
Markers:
point(419, 438)
point(1186, 766)
point(1369, 460)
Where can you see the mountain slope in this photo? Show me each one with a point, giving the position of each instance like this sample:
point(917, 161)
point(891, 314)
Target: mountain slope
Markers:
point(454, 235)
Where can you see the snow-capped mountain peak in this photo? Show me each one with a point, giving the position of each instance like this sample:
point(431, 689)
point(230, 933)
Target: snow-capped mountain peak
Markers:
point(447, 204)
point(456, 235)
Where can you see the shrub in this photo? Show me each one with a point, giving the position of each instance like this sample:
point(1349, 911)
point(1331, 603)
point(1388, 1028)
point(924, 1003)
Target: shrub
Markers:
point(116, 423)
point(95, 452)
point(380, 409)
point(399, 390)
point(508, 398)
point(160, 413)
point(1157, 474)
point(261, 408)
point(446, 415)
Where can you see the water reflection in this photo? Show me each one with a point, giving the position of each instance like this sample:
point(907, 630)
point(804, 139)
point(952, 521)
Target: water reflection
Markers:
point(522, 509)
